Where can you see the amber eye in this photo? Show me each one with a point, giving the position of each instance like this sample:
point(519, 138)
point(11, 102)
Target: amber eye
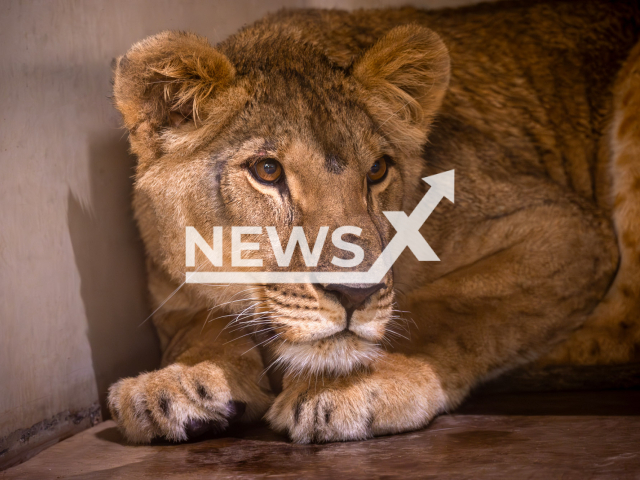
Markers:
point(378, 171)
point(267, 171)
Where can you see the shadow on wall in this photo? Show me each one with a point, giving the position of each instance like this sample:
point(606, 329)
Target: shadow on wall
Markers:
point(110, 259)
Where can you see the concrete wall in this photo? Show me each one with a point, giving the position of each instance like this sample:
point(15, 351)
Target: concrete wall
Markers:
point(72, 282)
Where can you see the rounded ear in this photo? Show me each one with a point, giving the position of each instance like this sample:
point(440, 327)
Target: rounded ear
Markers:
point(405, 76)
point(165, 80)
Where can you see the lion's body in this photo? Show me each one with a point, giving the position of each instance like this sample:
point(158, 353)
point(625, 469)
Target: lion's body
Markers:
point(540, 254)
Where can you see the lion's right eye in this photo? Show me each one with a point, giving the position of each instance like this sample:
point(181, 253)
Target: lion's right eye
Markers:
point(378, 170)
point(267, 171)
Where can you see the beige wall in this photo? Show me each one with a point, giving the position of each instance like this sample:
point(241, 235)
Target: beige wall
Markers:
point(72, 287)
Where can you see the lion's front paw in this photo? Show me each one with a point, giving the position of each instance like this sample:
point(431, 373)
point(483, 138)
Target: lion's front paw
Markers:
point(400, 394)
point(309, 412)
point(180, 402)
point(314, 413)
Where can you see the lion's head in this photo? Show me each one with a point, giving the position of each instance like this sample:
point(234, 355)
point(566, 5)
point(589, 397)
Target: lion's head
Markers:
point(268, 129)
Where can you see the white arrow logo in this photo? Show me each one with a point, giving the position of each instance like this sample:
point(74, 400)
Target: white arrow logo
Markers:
point(407, 235)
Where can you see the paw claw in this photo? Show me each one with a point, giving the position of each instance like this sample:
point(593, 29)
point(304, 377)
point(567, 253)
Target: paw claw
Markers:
point(196, 428)
point(235, 410)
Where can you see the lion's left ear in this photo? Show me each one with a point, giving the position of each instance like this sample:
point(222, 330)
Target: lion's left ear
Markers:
point(405, 76)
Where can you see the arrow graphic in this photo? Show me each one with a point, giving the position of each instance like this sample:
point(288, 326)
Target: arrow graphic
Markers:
point(407, 235)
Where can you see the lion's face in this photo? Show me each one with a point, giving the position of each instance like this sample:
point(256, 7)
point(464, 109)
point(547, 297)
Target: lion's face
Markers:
point(285, 139)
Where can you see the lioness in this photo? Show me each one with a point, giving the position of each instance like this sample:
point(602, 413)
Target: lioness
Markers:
point(329, 118)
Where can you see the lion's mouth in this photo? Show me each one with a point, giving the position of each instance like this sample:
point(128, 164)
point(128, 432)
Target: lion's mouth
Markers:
point(343, 334)
point(336, 354)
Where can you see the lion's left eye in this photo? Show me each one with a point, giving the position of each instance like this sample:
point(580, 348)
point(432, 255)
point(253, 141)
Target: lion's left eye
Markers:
point(267, 171)
point(378, 171)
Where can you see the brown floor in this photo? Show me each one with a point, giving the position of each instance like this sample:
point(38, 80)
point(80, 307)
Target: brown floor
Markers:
point(527, 435)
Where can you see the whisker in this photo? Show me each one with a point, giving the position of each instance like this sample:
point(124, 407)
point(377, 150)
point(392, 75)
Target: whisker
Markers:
point(263, 343)
point(238, 320)
point(241, 313)
point(231, 301)
point(266, 370)
point(167, 299)
point(250, 333)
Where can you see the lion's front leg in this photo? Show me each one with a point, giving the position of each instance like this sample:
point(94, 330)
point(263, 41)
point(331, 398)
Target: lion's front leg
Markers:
point(398, 393)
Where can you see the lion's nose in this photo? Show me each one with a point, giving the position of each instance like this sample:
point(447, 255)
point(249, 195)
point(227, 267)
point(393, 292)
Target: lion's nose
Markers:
point(353, 295)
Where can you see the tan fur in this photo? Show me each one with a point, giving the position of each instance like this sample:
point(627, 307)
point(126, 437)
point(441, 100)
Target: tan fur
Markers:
point(612, 333)
point(535, 106)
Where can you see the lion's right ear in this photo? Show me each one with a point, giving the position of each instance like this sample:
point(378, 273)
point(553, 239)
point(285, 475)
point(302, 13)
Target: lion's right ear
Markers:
point(405, 75)
point(166, 80)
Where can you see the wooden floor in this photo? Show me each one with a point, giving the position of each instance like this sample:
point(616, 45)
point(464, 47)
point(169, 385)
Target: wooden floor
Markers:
point(534, 435)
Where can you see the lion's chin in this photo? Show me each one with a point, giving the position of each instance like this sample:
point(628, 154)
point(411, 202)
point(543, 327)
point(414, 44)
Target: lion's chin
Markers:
point(339, 354)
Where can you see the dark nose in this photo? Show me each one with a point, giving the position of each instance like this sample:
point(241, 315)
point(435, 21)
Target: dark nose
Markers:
point(353, 295)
